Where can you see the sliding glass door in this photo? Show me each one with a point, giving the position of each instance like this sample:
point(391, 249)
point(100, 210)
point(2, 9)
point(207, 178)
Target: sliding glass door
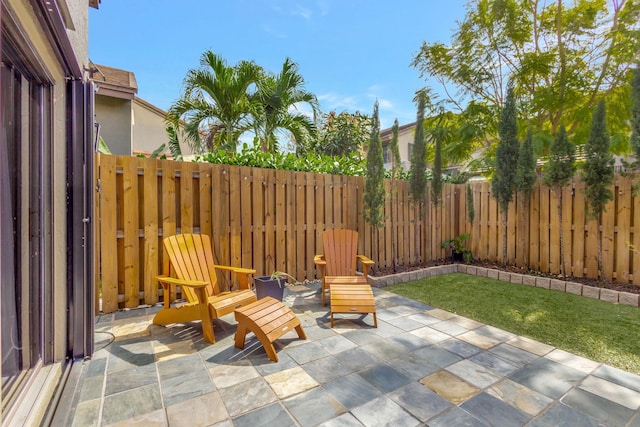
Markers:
point(25, 225)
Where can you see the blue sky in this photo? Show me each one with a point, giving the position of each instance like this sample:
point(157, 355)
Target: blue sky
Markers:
point(350, 52)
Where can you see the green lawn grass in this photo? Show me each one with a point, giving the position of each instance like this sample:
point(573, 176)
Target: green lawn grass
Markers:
point(598, 330)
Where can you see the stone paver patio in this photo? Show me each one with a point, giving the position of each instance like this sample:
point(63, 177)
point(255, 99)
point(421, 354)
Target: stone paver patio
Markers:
point(421, 366)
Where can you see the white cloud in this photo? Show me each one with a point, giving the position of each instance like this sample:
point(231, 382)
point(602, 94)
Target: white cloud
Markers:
point(302, 108)
point(336, 102)
point(302, 11)
point(270, 30)
point(324, 6)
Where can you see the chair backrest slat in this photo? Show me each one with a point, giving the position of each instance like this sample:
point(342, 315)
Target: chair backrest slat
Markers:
point(191, 258)
point(340, 250)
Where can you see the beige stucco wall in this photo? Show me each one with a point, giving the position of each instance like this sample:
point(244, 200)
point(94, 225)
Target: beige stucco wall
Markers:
point(115, 118)
point(149, 129)
point(79, 11)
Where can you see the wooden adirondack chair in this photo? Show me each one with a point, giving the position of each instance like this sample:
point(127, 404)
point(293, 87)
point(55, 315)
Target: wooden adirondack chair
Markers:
point(188, 263)
point(340, 259)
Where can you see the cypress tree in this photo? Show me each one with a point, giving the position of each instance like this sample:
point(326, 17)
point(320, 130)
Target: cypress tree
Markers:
point(395, 150)
point(395, 166)
point(374, 184)
point(635, 115)
point(635, 127)
point(418, 178)
point(525, 182)
point(504, 175)
point(557, 174)
point(436, 181)
point(471, 210)
point(597, 172)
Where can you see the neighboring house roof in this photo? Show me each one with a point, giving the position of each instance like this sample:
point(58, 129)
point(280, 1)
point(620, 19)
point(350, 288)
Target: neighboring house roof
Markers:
point(114, 82)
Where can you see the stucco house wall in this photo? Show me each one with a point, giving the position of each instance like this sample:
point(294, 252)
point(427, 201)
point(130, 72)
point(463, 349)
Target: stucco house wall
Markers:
point(114, 116)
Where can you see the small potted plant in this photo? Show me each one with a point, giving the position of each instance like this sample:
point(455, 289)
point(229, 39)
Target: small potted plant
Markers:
point(272, 286)
point(459, 251)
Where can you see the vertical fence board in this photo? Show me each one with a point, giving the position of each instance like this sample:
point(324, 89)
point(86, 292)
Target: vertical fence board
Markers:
point(554, 232)
point(494, 218)
point(635, 223)
point(388, 225)
point(623, 235)
point(131, 231)
point(270, 220)
point(151, 221)
point(534, 228)
point(108, 235)
point(186, 197)
point(225, 229)
point(257, 250)
point(320, 223)
point(300, 224)
point(280, 216)
point(204, 194)
point(511, 230)
point(578, 229)
point(545, 201)
point(310, 221)
point(244, 211)
point(168, 183)
point(567, 221)
point(591, 247)
point(291, 226)
point(337, 201)
point(236, 218)
point(402, 224)
point(607, 231)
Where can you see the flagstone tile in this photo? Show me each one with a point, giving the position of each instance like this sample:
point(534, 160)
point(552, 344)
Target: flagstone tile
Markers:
point(291, 381)
point(528, 401)
point(450, 387)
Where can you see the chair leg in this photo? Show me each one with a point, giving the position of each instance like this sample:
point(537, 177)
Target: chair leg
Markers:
point(300, 332)
point(241, 334)
point(205, 317)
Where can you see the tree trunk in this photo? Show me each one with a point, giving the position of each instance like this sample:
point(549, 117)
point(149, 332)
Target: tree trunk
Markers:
point(504, 237)
point(562, 267)
point(526, 235)
point(599, 236)
point(393, 229)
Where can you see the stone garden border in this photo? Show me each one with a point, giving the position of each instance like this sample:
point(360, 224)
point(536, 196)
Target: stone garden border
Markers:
point(609, 295)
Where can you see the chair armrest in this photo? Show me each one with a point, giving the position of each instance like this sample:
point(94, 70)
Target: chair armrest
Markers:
point(167, 282)
point(366, 264)
point(242, 273)
point(320, 263)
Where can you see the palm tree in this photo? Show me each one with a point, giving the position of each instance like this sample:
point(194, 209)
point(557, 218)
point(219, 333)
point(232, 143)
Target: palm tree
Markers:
point(276, 107)
point(216, 102)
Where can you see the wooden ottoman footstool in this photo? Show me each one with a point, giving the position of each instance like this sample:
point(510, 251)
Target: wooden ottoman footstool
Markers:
point(268, 319)
point(352, 299)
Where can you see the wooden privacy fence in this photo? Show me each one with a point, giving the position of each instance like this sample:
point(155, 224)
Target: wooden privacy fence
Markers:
point(269, 220)
point(534, 237)
point(272, 220)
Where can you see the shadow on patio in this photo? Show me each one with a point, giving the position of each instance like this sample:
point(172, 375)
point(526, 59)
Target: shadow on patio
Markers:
point(420, 366)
